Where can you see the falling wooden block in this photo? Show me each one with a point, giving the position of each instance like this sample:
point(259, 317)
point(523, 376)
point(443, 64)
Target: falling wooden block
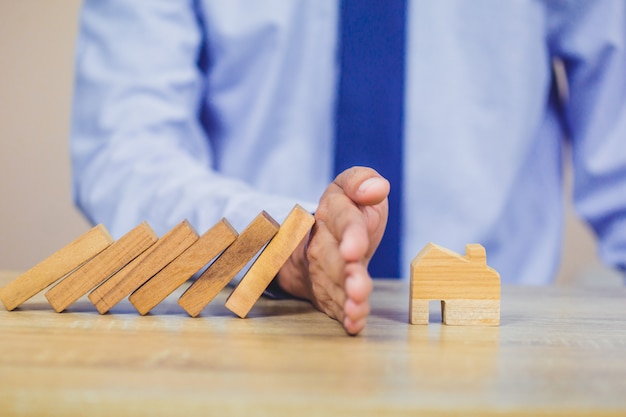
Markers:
point(207, 247)
point(469, 290)
point(295, 227)
point(143, 267)
point(224, 269)
point(55, 267)
point(101, 267)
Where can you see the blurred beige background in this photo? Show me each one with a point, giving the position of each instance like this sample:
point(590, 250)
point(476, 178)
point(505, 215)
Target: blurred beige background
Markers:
point(37, 216)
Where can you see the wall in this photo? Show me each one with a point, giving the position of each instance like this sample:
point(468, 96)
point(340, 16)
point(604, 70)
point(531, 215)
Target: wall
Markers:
point(37, 216)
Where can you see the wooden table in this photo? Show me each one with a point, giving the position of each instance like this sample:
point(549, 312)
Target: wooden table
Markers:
point(558, 351)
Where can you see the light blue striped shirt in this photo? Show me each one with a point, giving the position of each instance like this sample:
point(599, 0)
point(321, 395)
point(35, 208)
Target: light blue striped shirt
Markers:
point(211, 109)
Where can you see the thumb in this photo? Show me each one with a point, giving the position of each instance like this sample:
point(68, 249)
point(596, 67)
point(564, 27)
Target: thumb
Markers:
point(363, 185)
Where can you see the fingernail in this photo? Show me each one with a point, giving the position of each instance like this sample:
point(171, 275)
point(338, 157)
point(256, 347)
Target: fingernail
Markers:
point(365, 185)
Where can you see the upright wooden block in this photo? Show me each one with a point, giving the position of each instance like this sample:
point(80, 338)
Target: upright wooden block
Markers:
point(210, 244)
point(469, 290)
point(292, 231)
point(55, 267)
point(143, 267)
point(224, 269)
point(101, 267)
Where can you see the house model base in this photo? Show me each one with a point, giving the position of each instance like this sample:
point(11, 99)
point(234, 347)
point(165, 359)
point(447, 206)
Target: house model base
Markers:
point(468, 288)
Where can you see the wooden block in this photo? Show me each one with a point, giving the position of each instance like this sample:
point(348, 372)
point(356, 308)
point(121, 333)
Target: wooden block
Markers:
point(55, 267)
point(210, 244)
point(101, 267)
point(418, 311)
point(471, 312)
point(143, 267)
point(295, 227)
point(224, 269)
point(468, 288)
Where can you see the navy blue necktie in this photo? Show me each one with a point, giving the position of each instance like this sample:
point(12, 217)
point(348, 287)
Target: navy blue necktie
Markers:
point(370, 107)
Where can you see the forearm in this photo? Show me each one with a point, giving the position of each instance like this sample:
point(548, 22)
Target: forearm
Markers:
point(596, 69)
point(121, 187)
point(138, 148)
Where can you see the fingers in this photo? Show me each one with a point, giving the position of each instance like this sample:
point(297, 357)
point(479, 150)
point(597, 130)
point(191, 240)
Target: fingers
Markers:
point(338, 288)
point(350, 221)
point(350, 228)
point(355, 208)
point(358, 284)
point(345, 222)
point(362, 185)
point(323, 255)
point(356, 308)
point(354, 327)
point(326, 272)
point(352, 214)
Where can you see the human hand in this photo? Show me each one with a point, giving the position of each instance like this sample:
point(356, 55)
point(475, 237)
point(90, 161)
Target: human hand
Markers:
point(329, 268)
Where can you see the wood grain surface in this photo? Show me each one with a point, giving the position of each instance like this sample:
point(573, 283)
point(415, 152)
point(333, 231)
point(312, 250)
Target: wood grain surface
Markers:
point(101, 267)
point(143, 267)
point(251, 240)
point(266, 266)
point(559, 351)
point(55, 266)
point(203, 250)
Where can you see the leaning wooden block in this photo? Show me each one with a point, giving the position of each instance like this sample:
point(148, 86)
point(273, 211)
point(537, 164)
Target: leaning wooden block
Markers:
point(207, 247)
point(291, 232)
point(469, 290)
point(101, 267)
point(224, 269)
point(143, 267)
point(55, 267)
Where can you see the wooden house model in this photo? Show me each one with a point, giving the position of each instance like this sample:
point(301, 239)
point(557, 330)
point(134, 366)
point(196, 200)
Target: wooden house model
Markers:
point(468, 288)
